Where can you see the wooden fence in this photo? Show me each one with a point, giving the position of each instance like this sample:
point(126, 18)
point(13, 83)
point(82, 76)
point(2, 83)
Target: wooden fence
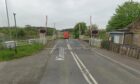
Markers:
point(128, 50)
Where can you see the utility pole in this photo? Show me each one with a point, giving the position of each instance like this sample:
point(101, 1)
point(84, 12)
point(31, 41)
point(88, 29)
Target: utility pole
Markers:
point(15, 23)
point(8, 21)
point(79, 30)
point(90, 30)
point(16, 30)
point(54, 31)
point(46, 22)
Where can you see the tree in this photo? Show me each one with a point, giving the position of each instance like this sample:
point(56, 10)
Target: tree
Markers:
point(125, 14)
point(91, 28)
point(80, 28)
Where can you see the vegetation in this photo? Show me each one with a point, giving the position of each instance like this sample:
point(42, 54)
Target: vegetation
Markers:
point(105, 44)
point(79, 26)
point(103, 35)
point(22, 33)
point(89, 29)
point(70, 30)
point(125, 14)
point(22, 51)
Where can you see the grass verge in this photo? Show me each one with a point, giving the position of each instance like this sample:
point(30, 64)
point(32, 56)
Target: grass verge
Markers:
point(22, 51)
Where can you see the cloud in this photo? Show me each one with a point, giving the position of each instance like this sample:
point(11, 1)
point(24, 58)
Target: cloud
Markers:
point(65, 13)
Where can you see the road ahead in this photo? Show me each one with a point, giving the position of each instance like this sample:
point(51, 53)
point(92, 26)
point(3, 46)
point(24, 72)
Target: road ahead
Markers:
point(73, 62)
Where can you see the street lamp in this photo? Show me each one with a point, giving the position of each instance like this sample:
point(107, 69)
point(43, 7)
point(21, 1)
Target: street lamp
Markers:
point(15, 19)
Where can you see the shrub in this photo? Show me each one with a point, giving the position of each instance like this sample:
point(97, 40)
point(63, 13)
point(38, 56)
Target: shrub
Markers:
point(105, 44)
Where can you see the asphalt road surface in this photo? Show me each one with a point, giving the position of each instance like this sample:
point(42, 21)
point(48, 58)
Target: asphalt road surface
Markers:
point(72, 62)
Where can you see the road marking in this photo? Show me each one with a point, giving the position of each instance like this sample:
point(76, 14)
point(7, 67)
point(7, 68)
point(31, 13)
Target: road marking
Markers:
point(69, 47)
point(85, 72)
point(61, 54)
point(117, 62)
point(53, 49)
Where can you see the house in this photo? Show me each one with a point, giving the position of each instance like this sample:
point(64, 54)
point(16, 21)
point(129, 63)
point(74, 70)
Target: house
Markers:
point(135, 29)
point(129, 35)
point(121, 37)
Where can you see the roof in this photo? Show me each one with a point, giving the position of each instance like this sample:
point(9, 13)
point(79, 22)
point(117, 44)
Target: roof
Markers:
point(117, 32)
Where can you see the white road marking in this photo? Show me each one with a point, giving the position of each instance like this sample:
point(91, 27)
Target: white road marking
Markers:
point(69, 47)
point(86, 69)
point(117, 62)
point(85, 72)
point(61, 54)
point(53, 49)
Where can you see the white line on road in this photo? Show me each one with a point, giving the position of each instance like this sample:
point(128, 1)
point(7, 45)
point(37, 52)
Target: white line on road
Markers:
point(53, 49)
point(117, 62)
point(69, 47)
point(86, 69)
point(85, 72)
point(60, 57)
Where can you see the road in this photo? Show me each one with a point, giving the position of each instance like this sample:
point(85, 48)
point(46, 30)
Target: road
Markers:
point(73, 62)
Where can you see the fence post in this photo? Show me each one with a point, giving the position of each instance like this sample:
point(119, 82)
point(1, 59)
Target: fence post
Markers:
point(138, 53)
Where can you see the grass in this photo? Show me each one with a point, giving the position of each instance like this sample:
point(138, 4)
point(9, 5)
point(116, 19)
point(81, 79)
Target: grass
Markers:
point(22, 51)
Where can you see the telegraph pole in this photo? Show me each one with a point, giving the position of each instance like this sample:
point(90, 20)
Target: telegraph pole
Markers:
point(79, 30)
point(46, 22)
point(15, 23)
point(14, 14)
point(54, 31)
point(90, 30)
point(8, 21)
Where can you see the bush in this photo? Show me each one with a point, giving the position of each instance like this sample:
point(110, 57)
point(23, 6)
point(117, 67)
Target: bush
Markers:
point(105, 44)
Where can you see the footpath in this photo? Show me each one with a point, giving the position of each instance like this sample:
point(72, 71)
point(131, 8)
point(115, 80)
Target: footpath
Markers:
point(123, 60)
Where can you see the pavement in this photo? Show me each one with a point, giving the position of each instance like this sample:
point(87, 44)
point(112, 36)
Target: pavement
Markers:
point(71, 62)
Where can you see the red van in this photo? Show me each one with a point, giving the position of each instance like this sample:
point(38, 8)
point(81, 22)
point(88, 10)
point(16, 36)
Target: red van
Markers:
point(66, 35)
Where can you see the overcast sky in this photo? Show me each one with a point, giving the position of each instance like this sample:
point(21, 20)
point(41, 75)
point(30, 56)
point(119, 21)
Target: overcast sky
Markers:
point(65, 13)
